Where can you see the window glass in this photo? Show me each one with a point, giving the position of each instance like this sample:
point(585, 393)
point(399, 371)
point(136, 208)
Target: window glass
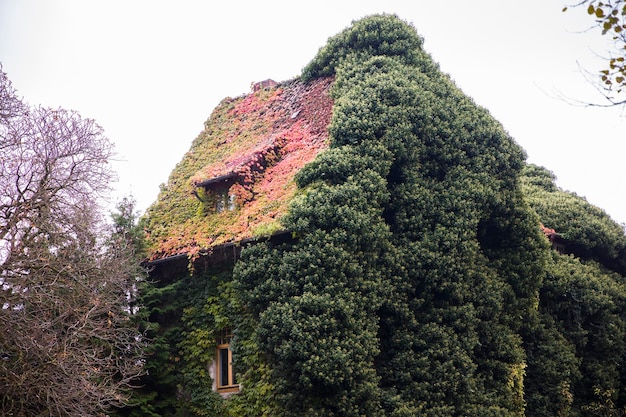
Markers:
point(224, 201)
point(225, 375)
point(223, 379)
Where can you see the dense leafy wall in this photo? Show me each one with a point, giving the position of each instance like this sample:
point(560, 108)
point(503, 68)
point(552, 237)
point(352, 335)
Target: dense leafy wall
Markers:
point(590, 232)
point(421, 284)
point(183, 314)
point(417, 263)
point(418, 282)
point(576, 353)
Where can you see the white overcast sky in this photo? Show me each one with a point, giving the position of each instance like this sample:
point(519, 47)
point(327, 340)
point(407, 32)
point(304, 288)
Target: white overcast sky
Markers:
point(151, 72)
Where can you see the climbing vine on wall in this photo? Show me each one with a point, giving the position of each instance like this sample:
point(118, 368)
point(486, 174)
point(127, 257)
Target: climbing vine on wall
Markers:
point(263, 138)
point(389, 246)
point(418, 280)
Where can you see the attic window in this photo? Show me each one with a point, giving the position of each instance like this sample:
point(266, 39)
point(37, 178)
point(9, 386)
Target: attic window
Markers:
point(218, 192)
point(224, 202)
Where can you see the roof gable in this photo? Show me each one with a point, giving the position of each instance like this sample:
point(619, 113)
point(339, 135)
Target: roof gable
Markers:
point(251, 148)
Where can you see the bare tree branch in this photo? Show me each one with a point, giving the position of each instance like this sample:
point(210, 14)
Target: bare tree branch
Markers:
point(609, 17)
point(68, 345)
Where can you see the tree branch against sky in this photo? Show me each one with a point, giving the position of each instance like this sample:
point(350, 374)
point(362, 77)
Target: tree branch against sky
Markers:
point(67, 344)
point(610, 17)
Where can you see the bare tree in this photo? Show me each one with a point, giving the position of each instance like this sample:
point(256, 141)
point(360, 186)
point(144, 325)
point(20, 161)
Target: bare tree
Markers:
point(10, 105)
point(68, 346)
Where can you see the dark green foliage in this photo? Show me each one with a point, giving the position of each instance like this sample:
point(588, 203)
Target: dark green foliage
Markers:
point(576, 353)
point(536, 178)
point(392, 302)
point(382, 35)
point(588, 306)
point(590, 232)
point(418, 281)
point(316, 304)
point(125, 226)
point(183, 315)
point(553, 369)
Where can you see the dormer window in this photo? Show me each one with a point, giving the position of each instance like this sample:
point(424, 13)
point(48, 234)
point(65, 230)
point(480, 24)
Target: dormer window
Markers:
point(217, 191)
point(225, 202)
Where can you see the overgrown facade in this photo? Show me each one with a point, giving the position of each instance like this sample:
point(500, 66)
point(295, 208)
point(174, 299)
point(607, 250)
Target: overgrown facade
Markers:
point(366, 240)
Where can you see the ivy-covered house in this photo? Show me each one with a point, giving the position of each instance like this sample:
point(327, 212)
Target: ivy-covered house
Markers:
point(364, 240)
point(230, 191)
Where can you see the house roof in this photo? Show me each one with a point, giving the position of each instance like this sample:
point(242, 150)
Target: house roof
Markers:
point(216, 180)
point(257, 141)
